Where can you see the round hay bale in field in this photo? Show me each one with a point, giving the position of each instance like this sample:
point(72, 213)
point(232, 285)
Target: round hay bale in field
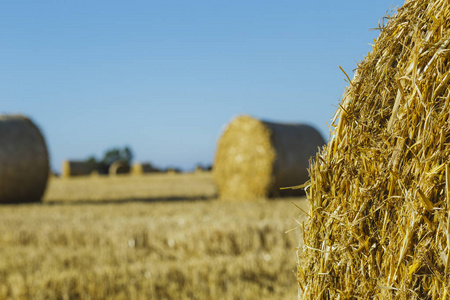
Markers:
point(379, 225)
point(172, 171)
point(143, 168)
point(119, 167)
point(24, 162)
point(256, 158)
point(72, 168)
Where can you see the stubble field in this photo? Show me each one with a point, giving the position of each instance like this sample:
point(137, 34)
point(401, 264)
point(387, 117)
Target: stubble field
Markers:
point(147, 237)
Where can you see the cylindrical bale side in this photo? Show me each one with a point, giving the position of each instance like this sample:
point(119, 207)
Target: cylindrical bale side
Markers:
point(119, 167)
point(294, 145)
point(255, 158)
point(76, 168)
point(24, 161)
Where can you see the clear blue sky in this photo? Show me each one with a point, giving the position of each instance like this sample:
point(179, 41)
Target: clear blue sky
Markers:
point(164, 77)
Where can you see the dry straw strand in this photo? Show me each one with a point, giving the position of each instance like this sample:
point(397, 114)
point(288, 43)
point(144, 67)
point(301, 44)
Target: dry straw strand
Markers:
point(24, 162)
point(256, 158)
point(379, 205)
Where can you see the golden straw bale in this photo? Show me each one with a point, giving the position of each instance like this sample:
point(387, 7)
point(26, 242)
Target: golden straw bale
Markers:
point(379, 194)
point(119, 167)
point(77, 168)
point(24, 162)
point(143, 168)
point(256, 158)
point(172, 171)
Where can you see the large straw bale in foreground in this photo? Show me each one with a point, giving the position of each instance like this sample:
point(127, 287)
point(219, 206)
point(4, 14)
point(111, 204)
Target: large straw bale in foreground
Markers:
point(256, 158)
point(24, 162)
point(379, 194)
point(77, 168)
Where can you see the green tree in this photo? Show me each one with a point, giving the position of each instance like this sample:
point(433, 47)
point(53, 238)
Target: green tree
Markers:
point(111, 155)
point(92, 162)
point(117, 154)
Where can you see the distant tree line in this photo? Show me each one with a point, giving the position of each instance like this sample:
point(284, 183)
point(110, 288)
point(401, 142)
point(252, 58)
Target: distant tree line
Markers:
point(125, 155)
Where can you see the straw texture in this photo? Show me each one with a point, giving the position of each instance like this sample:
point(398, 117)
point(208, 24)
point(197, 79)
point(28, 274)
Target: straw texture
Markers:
point(256, 158)
point(379, 193)
point(24, 162)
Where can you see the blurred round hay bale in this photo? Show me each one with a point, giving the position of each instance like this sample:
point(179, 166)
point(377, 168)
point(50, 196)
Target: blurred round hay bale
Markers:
point(77, 168)
point(256, 158)
point(172, 171)
point(143, 168)
point(24, 161)
point(379, 195)
point(119, 167)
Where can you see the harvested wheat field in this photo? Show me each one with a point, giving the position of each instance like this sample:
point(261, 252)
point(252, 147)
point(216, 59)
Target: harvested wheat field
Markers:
point(123, 187)
point(380, 190)
point(126, 241)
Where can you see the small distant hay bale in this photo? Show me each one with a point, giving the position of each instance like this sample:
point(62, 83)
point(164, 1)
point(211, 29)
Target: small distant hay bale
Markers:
point(256, 158)
point(24, 161)
point(172, 171)
point(143, 168)
point(379, 225)
point(198, 169)
point(119, 167)
point(72, 168)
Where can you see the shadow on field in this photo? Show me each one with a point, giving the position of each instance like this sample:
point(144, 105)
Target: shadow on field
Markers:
point(129, 200)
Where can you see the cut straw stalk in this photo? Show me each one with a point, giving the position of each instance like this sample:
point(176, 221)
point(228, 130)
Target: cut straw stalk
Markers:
point(447, 196)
